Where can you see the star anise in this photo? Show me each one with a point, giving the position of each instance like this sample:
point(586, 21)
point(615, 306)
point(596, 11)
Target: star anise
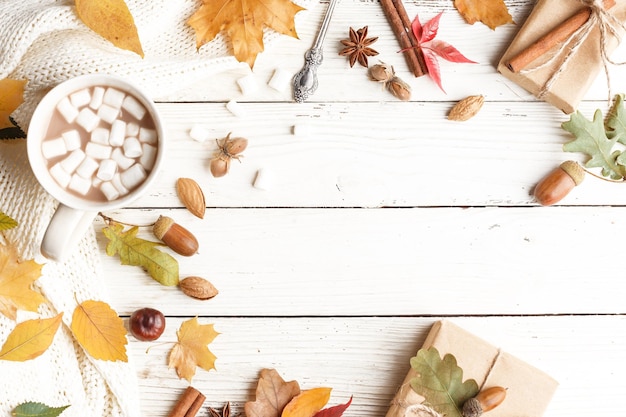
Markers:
point(357, 47)
point(225, 411)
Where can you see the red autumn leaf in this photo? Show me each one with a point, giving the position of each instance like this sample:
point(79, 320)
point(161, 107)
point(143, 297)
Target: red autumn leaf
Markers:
point(335, 411)
point(448, 52)
point(430, 59)
point(429, 30)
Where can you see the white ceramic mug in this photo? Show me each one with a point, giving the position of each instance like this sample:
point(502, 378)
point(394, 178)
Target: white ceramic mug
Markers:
point(74, 213)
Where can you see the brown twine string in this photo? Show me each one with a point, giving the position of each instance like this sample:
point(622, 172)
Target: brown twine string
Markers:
point(608, 25)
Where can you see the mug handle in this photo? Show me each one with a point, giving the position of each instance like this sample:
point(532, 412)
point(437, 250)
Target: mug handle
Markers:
point(67, 227)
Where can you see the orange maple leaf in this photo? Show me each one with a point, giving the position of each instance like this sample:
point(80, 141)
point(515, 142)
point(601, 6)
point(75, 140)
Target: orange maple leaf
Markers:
point(191, 349)
point(492, 13)
point(11, 96)
point(16, 279)
point(243, 21)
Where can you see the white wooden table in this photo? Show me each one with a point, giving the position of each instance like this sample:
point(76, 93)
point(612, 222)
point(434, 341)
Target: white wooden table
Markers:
point(383, 219)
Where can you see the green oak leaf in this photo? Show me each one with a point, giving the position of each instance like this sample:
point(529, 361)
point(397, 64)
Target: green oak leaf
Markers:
point(615, 123)
point(6, 222)
point(33, 409)
point(591, 139)
point(440, 382)
point(140, 252)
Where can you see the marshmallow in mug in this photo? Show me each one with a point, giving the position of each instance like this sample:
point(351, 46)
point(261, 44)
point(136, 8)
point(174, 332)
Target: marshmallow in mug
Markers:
point(100, 144)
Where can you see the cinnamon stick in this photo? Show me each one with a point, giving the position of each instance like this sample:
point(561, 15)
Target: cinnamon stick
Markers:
point(188, 404)
point(552, 38)
point(401, 25)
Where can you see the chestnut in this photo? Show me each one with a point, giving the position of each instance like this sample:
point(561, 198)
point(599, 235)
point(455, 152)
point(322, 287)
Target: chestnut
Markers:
point(147, 324)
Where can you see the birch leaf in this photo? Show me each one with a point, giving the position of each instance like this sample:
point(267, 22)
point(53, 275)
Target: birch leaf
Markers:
point(6, 222)
point(243, 22)
point(30, 339)
point(440, 382)
point(272, 395)
point(192, 350)
point(100, 331)
point(11, 96)
point(33, 409)
point(112, 20)
point(16, 279)
point(140, 252)
point(492, 13)
point(307, 403)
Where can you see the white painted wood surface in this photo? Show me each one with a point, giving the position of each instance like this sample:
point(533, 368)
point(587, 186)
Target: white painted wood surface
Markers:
point(383, 219)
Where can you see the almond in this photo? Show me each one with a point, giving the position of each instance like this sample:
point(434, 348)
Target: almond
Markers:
point(466, 108)
point(197, 287)
point(191, 196)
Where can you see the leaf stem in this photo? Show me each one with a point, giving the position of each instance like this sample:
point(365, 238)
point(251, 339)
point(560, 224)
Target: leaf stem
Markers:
point(108, 220)
point(593, 174)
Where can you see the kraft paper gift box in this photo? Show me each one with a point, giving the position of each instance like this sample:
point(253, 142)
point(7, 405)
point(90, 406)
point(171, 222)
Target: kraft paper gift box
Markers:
point(582, 67)
point(529, 390)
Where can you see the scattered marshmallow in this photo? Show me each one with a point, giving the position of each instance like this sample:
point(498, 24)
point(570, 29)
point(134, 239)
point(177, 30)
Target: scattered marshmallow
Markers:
point(147, 135)
point(79, 184)
point(67, 111)
point(96, 98)
point(109, 191)
point(132, 148)
point(80, 98)
point(235, 108)
point(87, 168)
point(199, 133)
point(148, 156)
point(280, 79)
point(118, 133)
point(248, 84)
point(117, 183)
point(72, 161)
point(122, 161)
point(98, 151)
point(133, 176)
point(107, 169)
point(100, 135)
point(263, 179)
point(302, 129)
point(52, 148)
point(60, 175)
point(87, 119)
point(113, 98)
point(134, 107)
point(108, 113)
point(72, 140)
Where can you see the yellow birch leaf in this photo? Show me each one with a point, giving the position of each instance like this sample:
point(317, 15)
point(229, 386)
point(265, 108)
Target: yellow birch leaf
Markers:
point(492, 13)
point(112, 20)
point(191, 349)
point(30, 339)
point(243, 21)
point(16, 279)
point(11, 96)
point(100, 331)
point(307, 403)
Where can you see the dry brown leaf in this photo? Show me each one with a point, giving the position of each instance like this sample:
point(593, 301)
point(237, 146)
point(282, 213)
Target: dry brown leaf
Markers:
point(492, 13)
point(191, 349)
point(112, 20)
point(307, 403)
point(191, 196)
point(243, 21)
point(272, 395)
point(30, 339)
point(16, 279)
point(100, 331)
point(11, 96)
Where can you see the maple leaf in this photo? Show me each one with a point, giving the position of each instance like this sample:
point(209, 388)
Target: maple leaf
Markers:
point(34, 409)
point(492, 13)
point(243, 21)
point(431, 47)
point(272, 395)
point(440, 382)
point(11, 96)
point(112, 20)
point(132, 250)
point(29, 339)
point(99, 330)
point(335, 411)
point(191, 349)
point(307, 403)
point(6, 222)
point(16, 279)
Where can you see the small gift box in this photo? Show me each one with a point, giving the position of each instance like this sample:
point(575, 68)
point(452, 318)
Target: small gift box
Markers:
point(528, 390)
point(567, 60)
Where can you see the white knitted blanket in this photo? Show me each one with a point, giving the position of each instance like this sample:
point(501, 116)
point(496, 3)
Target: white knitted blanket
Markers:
point(43, 42)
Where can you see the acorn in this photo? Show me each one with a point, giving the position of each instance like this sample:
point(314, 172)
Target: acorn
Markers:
point(176, 237)
point(558, 183)
point(486, 400)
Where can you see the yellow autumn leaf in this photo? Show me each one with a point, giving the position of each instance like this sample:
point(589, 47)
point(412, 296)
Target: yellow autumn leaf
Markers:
point(191, 349)
point(100, 331)
point(307, 403)
point(16, 279)
point(30, 339)
point(243, 21)
point(492, 13)
point(112, 20)
point(11, 96)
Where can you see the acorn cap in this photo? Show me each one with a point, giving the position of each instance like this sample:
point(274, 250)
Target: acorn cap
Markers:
point(472, 408)
point(574, 170)
point(161, 226)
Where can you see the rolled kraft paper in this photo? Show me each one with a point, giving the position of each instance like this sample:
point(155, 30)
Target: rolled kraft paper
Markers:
point(529, 390)
point(583, 67)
